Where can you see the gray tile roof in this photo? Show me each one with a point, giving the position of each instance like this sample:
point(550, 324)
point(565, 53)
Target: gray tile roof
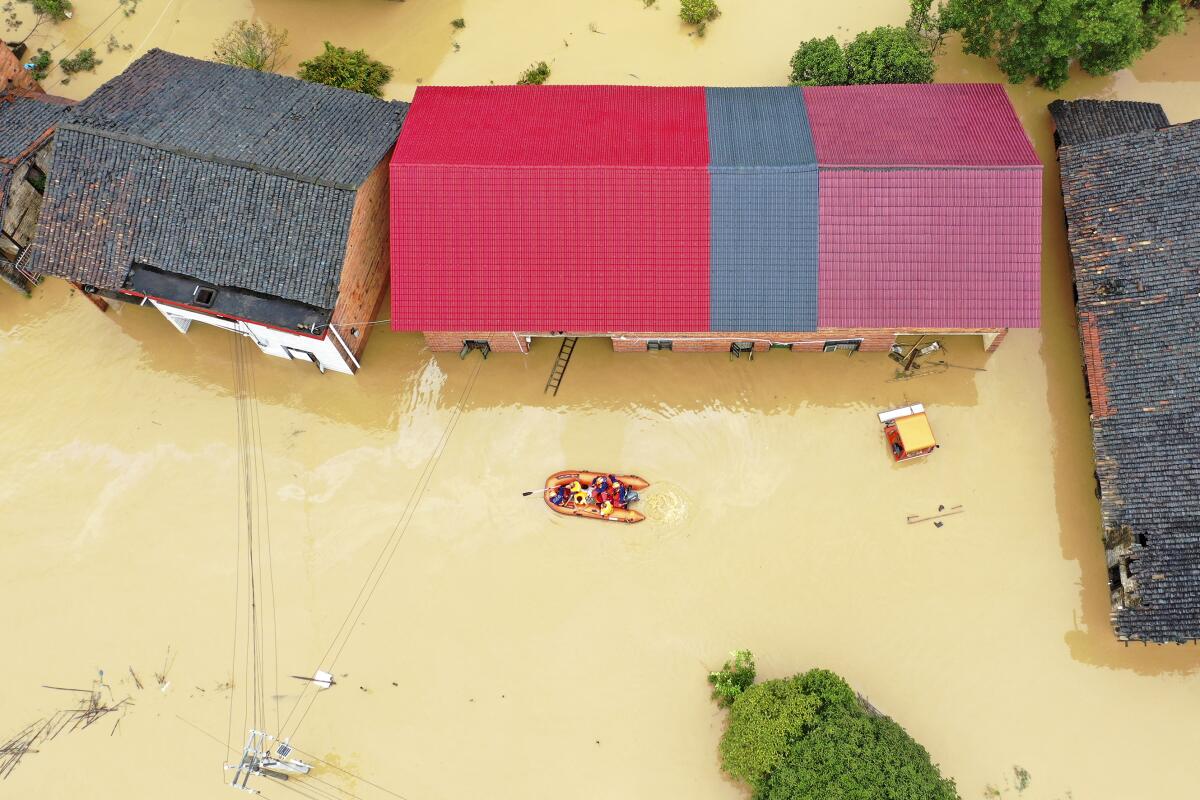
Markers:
point(763, 126)
point(1134, 230)
point(763, 257)
point(1079, 121)
point(24, 120)
point(763, 180)
point(267, 121)
point(230, 176)
point(111, 203)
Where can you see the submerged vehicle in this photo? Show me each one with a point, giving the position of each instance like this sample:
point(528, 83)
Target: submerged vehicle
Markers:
point(580, 503)
point(908, 433)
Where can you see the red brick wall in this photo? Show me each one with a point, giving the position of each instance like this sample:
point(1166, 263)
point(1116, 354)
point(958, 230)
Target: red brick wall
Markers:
point(874, 340)
point(365, 272)
point(13, 75)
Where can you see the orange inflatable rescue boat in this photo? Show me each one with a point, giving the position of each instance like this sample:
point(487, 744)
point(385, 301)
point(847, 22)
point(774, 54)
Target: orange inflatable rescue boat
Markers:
point(579, 503)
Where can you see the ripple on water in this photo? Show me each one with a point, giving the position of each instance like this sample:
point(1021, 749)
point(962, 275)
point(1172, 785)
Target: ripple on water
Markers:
point(667, 508)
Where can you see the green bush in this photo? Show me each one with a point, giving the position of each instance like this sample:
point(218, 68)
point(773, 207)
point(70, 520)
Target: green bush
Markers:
point(809, 737)
point(253, 45)
point(41, 65)
point(889, 55)
point(535, 75)
point(458, 24)
point(819, 62)
point(1041, 38)
point(733, 678)
point(856, 757)
point(347, 69)
point(764, 721)
point(83, 61)
point(698, 12)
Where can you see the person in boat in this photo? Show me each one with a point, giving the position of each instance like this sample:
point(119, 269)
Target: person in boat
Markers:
point(606, 508)
point(579, 495)
point(560, 495)
point(620, 492)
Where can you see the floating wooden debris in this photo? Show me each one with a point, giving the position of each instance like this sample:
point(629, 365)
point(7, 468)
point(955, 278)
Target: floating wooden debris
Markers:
point(91, 709)
point(913, 519)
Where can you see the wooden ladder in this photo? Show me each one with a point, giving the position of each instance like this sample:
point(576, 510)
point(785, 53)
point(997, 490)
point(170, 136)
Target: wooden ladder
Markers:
point(560, 364)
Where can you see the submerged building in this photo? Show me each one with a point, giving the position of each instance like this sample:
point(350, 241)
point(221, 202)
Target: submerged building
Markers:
point(687, 218)
point(27, 120)
point(1131, 191)
point(249, 201)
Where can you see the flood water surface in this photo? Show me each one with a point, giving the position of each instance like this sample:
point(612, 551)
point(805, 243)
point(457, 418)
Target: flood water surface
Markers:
point(508, 651)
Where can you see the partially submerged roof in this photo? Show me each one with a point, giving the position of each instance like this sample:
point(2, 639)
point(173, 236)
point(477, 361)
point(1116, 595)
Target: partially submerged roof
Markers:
point(230, 176)
point(610, 208)
point(1079, 121)
point(1134, 230)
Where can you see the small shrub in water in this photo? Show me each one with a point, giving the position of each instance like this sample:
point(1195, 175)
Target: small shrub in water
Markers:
point(733, 678)
point(83, 61)
point(41, 65)
point(347, 69)
point(698, 12)
point(535, 75)
point(252, 45)
point(459, 23)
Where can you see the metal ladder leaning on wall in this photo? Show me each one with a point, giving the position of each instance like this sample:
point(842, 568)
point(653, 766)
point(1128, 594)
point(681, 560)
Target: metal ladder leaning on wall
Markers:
point(560, 364)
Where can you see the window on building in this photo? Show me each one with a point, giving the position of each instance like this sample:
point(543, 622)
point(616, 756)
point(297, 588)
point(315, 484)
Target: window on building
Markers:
point(658, 344)
point(834, 345)
point(204, 296)
point(737, 348)
point(482, 345)
point(36, 178)
point(1114, 576)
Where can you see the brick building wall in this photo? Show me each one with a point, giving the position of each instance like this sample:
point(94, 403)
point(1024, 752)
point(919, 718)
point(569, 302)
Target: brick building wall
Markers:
point(365, 271)
point(873, 340)
point(13, 75)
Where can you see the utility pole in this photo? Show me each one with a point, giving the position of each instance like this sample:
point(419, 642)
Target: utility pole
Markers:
point(257, 759)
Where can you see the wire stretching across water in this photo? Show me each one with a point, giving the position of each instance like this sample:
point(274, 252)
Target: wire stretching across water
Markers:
point(309, 694)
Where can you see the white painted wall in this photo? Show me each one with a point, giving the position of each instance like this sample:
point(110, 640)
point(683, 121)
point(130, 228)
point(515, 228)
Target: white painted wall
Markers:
point(271, 341)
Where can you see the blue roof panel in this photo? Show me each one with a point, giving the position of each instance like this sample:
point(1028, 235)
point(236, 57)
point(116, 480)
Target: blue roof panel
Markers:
point(765, 126)
point(764, 249)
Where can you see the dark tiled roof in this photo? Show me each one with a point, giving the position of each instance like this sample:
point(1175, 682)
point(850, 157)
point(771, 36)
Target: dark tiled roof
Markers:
point(1078, 121)
point(110, 203)
point(23, 121)
point(230, 176)
point(256, 118)
point(1134, 230)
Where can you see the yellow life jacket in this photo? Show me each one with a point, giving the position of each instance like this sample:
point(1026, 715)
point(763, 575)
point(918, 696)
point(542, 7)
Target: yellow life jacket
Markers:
point(580, 498)
point(606, 509)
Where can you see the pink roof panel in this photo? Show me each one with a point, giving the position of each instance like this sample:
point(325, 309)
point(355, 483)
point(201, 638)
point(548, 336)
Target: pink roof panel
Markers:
point(930, 248)
point(648, 126)
point(943, 124)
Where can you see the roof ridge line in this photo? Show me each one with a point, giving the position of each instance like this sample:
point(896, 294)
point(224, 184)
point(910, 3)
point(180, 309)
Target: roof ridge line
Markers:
point(1038, 165)
point(197, 156)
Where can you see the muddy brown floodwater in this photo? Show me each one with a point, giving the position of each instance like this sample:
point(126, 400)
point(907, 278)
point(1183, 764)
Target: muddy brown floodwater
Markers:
point(509, 652)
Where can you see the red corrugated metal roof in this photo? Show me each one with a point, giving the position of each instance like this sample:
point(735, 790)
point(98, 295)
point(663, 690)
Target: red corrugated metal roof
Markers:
point(648, 126)
point(549, 248)
point(944, 124)
point(930, 248)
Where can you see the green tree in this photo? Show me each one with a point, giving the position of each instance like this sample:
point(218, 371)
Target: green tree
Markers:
point(764, 721)
point(889, 55)
point(83, 61)
point(347, 69)
point(253, 45)
point(733, 677)
point(1041, 38)
point(856, 757)
point(46, 11)
point(819, 62)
